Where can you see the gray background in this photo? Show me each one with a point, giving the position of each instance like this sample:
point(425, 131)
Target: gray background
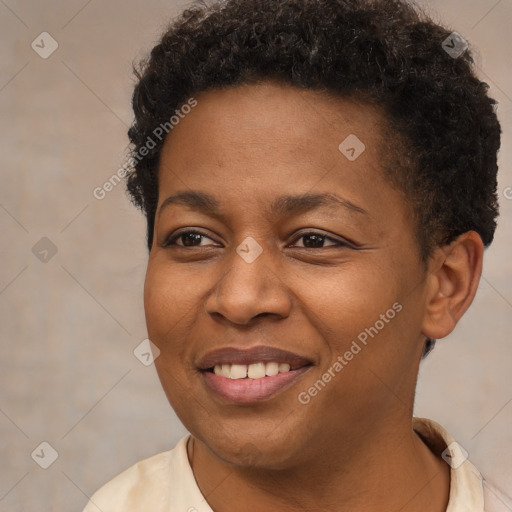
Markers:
point(69, 326)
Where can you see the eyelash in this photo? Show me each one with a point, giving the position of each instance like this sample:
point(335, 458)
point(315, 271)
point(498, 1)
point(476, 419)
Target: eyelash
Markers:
point(339, 243)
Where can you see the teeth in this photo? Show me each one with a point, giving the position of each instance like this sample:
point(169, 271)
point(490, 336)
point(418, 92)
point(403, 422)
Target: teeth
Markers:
point(271, 369)
point(238, 371)
point(252, 371)
point(256, 371)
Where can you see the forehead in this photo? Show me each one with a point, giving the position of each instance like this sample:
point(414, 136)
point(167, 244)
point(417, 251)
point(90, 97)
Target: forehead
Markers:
point(257, 141)
point(278, 115)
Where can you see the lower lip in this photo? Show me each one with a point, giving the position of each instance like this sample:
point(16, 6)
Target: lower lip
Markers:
point(247, 391)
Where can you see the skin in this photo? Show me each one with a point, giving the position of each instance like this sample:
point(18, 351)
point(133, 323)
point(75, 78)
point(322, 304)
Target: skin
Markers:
point(352, 447)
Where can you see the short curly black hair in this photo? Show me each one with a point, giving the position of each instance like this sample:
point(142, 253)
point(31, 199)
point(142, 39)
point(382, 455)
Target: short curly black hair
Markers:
point(384, 52)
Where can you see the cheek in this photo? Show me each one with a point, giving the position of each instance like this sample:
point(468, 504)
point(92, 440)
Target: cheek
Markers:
point(168, 298)
point(157, 296)
point(165, 305)
point(343, 302)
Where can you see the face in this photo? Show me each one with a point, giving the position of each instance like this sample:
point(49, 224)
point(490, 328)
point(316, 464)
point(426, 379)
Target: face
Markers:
point(280, 253)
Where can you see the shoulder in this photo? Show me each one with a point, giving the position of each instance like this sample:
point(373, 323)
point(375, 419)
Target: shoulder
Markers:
point(147, 485)
point(467, 486)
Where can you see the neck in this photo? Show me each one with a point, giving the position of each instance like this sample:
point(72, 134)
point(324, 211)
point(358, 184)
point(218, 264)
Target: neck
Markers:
point(390, 470)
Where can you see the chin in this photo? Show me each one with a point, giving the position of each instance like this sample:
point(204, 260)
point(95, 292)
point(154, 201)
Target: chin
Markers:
point(250, 452)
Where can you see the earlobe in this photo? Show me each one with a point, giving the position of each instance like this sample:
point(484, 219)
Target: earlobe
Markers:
point(452, 284)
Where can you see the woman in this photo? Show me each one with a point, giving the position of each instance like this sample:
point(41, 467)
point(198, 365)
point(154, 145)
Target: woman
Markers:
point(319, 179)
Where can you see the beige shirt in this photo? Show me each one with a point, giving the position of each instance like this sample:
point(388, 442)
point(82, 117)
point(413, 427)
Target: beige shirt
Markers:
point(166, 483)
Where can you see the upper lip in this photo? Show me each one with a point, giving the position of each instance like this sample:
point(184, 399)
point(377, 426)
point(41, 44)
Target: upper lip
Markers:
point(233, 355)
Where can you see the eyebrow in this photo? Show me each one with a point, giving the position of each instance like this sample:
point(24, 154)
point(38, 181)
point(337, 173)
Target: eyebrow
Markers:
point(283, 205)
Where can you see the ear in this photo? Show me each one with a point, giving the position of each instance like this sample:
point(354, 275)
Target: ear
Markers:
point(455, 272)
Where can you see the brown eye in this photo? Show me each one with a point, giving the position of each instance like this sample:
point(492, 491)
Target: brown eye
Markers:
point(317, 241)
point(191, 239)
point(188, 239)
point(314, 241)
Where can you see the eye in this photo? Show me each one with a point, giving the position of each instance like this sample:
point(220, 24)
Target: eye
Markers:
point(314, 240)
point(188, 239)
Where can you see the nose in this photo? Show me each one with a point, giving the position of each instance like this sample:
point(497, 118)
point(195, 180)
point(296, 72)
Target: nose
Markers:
point(246, 291)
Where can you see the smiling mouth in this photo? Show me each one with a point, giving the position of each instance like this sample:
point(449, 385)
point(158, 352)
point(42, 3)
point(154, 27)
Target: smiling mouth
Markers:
point(245, 376)
point(253, 371)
